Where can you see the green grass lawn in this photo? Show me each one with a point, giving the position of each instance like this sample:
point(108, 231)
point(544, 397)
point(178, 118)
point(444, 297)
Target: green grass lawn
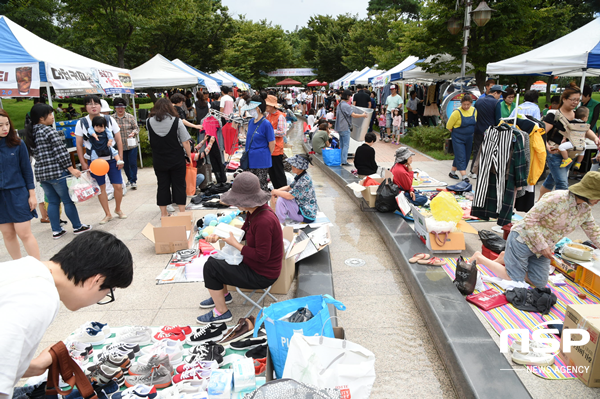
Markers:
point(18, 110)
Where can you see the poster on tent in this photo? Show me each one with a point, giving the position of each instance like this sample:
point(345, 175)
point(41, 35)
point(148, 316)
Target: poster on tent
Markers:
point(68, 81)
point(114, 82)
point(455, 102)
point(20, 80)
point(380, 81)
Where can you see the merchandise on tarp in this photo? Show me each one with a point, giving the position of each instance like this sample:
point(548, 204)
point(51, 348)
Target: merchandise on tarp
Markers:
point(159, 72)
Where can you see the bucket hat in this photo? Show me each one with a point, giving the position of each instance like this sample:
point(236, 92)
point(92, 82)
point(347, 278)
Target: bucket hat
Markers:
point(272, 101)
point(588, 187)
point(299, 161)
point(245, 192)
point(251, 105)
point(402, 154)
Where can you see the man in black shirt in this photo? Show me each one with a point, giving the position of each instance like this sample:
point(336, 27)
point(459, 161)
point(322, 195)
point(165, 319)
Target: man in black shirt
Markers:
point(361, 98)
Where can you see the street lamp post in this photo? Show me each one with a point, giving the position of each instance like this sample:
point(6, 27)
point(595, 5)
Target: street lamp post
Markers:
point(481, 15)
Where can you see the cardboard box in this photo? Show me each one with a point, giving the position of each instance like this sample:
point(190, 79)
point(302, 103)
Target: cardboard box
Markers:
point(305, 245)
point(288, 270)
point(370, 193)
point(174, 233)
point(455, 242)
point(586, 358)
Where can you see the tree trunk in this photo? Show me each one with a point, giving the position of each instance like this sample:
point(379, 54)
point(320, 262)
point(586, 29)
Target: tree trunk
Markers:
point(121, 56)
point(550, 80)
point(480, 77)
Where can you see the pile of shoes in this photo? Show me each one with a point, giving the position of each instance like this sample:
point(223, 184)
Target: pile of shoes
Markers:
point(532, 357)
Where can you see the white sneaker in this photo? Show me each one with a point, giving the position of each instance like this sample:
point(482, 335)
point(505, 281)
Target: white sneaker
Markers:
point(533, 359)
point(191, 387)
point(161, 345)
point(516, 346)
point(136, 335)
point(111, 196)
point(170, 208)
point(88, 336)
point(473, 176)
point(171, 392)
point(175, 355)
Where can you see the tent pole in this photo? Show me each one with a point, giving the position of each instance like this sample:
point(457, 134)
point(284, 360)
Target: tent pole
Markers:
point(50, 100)
point(1, 106)
point(139, 145)
point(583, 73)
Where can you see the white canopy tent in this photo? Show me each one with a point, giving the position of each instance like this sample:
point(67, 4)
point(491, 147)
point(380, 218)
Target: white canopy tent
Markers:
point(336, 84)
point(347, 81)
point(575, 54)
point(159, 72)
point(416, 71)
point(213, 85)
point(227, 81)
point(364, 78)
point(394, 73)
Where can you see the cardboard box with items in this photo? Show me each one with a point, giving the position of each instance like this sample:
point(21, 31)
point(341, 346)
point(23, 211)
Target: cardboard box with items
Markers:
point(369, 193)
point(453, 242)
point(173, 234)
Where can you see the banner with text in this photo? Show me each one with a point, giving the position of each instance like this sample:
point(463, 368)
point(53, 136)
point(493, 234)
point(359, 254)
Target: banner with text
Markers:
point(292, 72)
point(20, 80)
point(69, 81)
point(114, 82)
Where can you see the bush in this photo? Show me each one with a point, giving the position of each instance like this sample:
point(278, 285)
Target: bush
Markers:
point(427, 138)
point(145, 147)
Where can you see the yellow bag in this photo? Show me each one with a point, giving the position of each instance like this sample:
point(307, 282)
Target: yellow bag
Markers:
point(444, 208)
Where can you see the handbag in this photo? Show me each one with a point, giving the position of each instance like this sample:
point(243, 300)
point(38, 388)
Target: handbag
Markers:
point(244, 162)
point(331, 363)
point(280, 332)
point(71, 373)
point(206, 170)
point(466, 276)
point(190, 180)
point(386, 196)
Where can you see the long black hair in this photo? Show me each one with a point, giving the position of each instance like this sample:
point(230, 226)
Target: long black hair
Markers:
point(38, 111)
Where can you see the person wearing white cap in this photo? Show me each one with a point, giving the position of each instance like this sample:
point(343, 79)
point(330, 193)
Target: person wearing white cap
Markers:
point(392, 102)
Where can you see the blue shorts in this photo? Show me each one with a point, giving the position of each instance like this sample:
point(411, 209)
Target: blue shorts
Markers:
point(114, 174)
point(521, 262)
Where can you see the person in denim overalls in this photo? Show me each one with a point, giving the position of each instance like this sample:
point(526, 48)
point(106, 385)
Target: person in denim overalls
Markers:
point(462, 127)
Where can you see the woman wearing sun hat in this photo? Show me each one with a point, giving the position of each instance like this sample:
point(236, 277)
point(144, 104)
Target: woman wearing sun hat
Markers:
point(262, 252)
point(297, 201)
point(530, 244)
point(260, 140)
point(403, 176)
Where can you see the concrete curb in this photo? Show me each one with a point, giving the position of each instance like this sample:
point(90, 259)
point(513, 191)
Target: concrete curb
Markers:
point(470, 355)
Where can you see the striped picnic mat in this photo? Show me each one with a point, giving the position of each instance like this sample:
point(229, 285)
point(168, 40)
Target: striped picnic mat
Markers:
point(507, 316)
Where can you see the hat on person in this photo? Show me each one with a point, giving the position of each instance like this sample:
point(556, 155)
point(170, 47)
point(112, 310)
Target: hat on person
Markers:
point(299, 161)
point(402, 154)
point(105, 106)
point(251, 105)
point(272, 101)
point(245, 192)
point(393, 87)
point(495, 88)
point(588, 187)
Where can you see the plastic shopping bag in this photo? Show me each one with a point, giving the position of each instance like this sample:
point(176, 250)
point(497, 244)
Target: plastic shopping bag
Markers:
point(444, 208)
point(190, 180)
point(229, 254)
point(386, 196)
point(332, 157)
point(82, 188)
point(280, 332)
point(331, 363)
point(466, 276)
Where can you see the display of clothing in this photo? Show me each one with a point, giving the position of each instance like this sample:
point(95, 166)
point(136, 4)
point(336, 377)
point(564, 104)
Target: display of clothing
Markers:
point(230, 139)
point(502, 168)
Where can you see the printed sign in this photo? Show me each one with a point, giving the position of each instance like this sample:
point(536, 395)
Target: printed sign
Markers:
point(380, 81)
point(68, 81)
point(114, 82)
point(455, 103)
point(292, 72)
point(20, 80)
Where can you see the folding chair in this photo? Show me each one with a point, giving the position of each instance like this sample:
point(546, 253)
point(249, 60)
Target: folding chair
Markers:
point(266, 291)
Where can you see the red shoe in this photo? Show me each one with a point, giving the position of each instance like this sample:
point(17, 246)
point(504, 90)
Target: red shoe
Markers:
point(177, 329)
point(173, 336)
point(194, 374)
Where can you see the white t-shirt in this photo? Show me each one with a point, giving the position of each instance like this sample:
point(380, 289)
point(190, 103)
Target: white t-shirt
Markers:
point(29, 302)
point(241, 105)
point(79, 130)
point(288, 98)
point(227, 104)
point(310, 120)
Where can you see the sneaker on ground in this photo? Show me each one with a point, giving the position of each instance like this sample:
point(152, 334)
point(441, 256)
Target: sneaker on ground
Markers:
point(247, 344)
point(195, 350)
point(190, 387)
point(453, 176)
point(207, 353)
point(114, 360)
point(160, 346)
point(171, 336)
point(58, 234)
point(197, 365)
point(516, 346)
point(242, 329)
point(103, 374)
point(177, 329)
point(131, 350)
point(134, 186)
point(175, 355)
point(128, 184)
point(258, 353)
point(63, 222)
point(209, 303)
point(137, 335)
point(170, 208)
point(533, 359)
point(466, 180)
point(82, 229)
point(80, 348)
point(211, 317)
point(159, 377)
point(473, 176)
point(171, 392)
point(152, 362)
point(193, 374)
point(96, 325)
point(89, 336)
point(210, 332)
point(139, 391)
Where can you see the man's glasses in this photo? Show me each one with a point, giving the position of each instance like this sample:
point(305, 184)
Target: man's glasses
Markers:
point(109, 298)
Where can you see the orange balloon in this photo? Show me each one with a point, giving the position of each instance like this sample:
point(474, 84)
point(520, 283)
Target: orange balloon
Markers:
point(99, 167)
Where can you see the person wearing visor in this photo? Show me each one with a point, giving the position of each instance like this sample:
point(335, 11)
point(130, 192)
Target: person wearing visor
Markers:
point(297, 201)
point(129, 132)
point(260, 141)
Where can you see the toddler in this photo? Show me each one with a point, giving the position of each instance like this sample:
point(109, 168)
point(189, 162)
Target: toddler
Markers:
point(581, 116)
point(396, 125)
point(382, 123)
point(101, 140)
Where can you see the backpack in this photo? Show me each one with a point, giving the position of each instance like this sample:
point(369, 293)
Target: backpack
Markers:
point(574, 132)
point(100, 145)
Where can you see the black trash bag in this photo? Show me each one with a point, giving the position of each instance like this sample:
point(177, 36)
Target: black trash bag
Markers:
point(386, 196)
point(466, 276)
point(492, 241)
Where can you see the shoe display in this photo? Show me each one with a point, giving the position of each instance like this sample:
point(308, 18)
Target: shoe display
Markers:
point(96, 325)
point(58, 234)
point(208, 303)
point(205, 353)
point(260, 367)
point(516, 346)
point(195, 374)
point(79, 348)
point(171, 392)
point(130, 350)
point(243, 329)
point(532, 358)
point(211, 317)
point(113, 360)
point(147, 363)
point(171, 336)
point(197, 365)
point(159, 377)
point(89, 336)
point(103, 374)
point(157, 347)
point(257, 353)
point(186, 330)
point(190, 387)
point(135, 335)
point(175, 355)
point(210, 332)
point(139, 391)
point(82, 229)
point(194, 350)
point(246, 344)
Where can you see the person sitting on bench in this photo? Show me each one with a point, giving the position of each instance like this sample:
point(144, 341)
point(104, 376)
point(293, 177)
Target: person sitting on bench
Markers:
point(297, 201)
point(262, 252)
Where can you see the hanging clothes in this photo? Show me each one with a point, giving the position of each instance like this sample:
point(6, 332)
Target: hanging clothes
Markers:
point(230, 139)
point(211, 125)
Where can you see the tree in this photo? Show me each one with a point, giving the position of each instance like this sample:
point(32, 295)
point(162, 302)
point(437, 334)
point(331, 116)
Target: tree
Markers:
point(34, 15)
point(410, 8)
point(255, 48)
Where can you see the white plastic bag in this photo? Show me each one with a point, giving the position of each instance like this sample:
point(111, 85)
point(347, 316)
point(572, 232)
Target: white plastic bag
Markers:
point(82, 188)
point(435, 226)
point(331, 363)
point(230, 255)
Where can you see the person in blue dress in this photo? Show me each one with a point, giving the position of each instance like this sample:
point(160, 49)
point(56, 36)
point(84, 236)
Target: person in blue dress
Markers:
point(462, 127)
point(298, 201)
point(17, 192)
point(260, 140)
